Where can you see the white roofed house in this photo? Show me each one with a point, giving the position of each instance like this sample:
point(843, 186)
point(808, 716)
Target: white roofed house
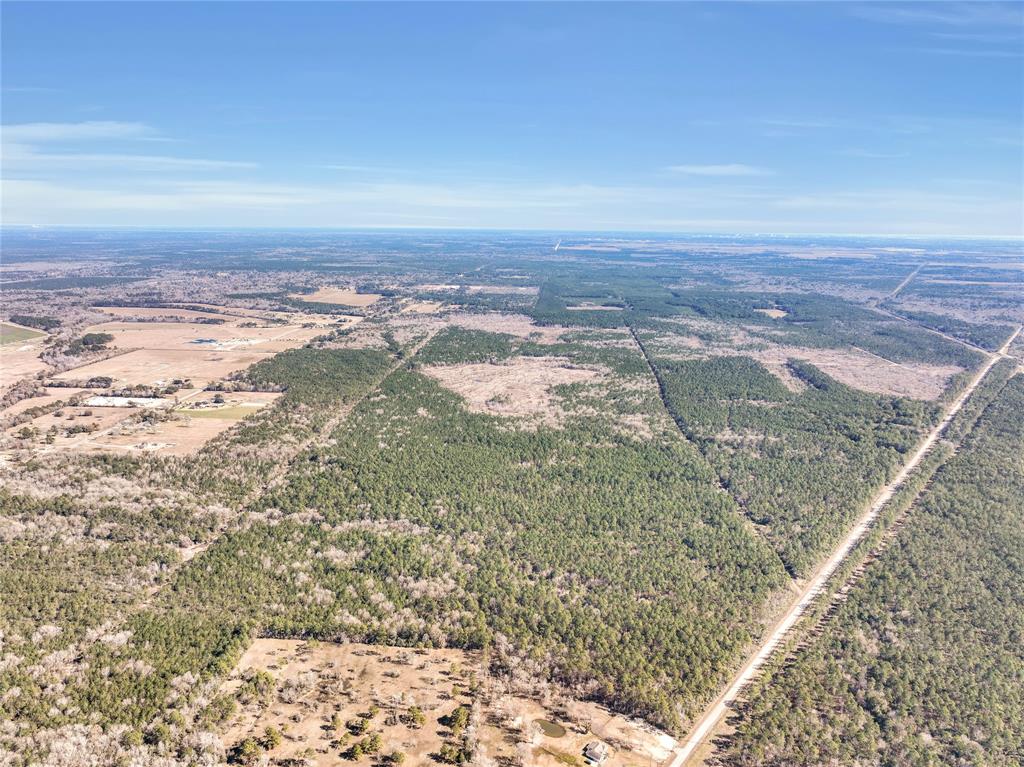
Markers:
point(596, 752)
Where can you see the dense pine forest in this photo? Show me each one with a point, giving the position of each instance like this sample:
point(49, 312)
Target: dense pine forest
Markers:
point(922, 664)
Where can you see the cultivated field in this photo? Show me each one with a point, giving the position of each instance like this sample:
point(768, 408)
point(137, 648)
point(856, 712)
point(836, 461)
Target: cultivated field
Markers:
point(12, 334)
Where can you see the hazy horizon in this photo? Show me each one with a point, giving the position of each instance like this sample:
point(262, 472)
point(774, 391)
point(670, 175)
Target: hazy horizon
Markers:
point(875, 118)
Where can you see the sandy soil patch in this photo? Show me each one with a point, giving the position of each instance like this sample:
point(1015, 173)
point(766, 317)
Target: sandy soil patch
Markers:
point(159, 367)
point(868, 372)
point(521, 387)
point(317, 683)
point(511, 324)
point(775, 314)
point(340, 296)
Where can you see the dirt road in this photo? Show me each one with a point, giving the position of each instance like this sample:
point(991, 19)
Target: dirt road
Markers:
point(720, 707)
point(906, 281)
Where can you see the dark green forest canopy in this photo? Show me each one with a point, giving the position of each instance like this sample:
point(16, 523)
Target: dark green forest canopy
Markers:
point(923, 663)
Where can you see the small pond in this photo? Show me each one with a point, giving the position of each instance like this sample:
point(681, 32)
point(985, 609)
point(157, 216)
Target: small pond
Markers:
point(551, 729)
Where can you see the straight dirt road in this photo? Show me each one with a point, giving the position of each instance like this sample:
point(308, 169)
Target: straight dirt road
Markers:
point(906, 281)
point(720, 707)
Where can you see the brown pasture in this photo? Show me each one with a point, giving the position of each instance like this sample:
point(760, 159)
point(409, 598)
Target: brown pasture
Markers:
point(159, 367)
point(316, 682)
point(340, 296)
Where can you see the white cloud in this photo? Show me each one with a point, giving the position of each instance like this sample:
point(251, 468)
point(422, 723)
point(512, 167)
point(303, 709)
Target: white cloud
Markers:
point(31, 133)
point(21, 157)
point(870, 154)
point(948, 14)
point(22, 144)
point(802, 124)
point(985, 53)
point(728, 169)
point(360, 168)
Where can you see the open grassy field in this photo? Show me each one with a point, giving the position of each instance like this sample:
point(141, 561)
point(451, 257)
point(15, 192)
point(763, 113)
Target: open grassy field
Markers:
point(12, 334)
point(340, 296)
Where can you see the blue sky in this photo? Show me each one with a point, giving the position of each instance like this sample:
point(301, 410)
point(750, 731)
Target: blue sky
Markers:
point(725, 117)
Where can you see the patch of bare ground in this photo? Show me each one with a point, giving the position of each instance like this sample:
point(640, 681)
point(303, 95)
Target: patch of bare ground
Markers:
point(326, 697)
point(869, 372)
point(511, 324)
point(340, 296)
point(775, 314)
point(521, 387)
point(855, 367)
point(860, 370)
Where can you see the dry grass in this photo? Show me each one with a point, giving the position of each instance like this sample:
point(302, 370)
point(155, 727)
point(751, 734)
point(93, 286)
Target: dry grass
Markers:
point(521, 387)
point(340, 296)
point(186, 336)
point(511, 324)
point(158, 367)
point(187, 432)
point(154, 312)
point(775, 314)
point(20, 360)
point(96, 419)
point(855, 367)
point(316, 681)
point(49, 396)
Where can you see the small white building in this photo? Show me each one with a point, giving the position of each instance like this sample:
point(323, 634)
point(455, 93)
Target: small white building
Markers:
point(596, 752)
